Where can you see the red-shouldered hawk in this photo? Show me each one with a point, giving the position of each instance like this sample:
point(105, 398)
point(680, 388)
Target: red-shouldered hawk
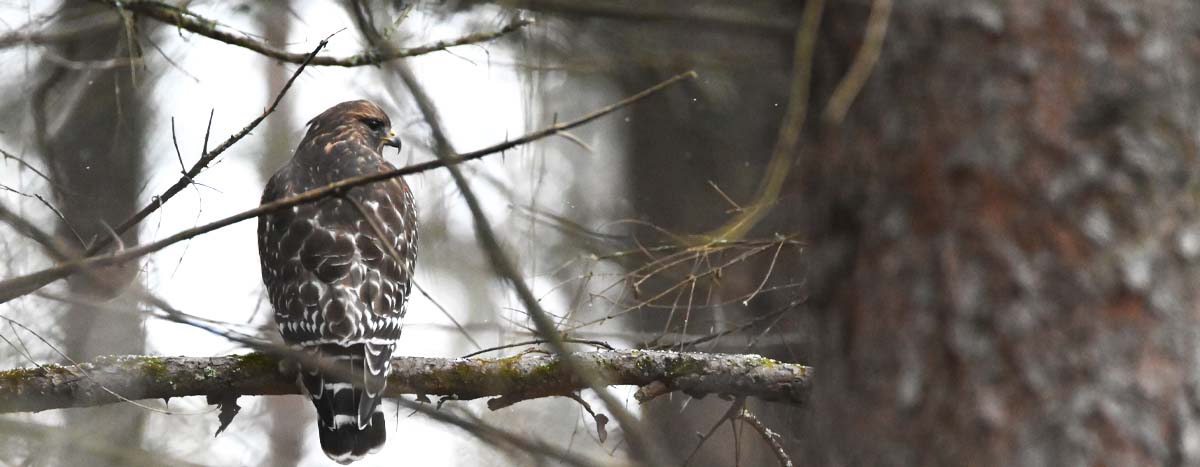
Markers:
point(338, 294)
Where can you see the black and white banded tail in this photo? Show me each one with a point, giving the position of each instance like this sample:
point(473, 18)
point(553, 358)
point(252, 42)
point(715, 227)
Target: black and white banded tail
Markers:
point(338, 271)
point(346, 387)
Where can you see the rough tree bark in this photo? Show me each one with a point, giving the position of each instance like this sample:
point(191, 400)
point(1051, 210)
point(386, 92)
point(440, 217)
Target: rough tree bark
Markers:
point(1004, 237)
point(109, 380)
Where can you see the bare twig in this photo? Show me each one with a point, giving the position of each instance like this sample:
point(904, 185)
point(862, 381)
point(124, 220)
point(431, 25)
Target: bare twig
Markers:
point(599, 418)
point(6, 155)
point(788, 142)
point(59, 250)
point(477, 428)
point(599, 344)
point(771, 437)
point(734, 409)
point(457, 325)
point(185, 19)
point(62, 31)
point(53, 245)
point(108, 64)
point(864, 62)
point(206, 157)
point(682, 344)
point(659, 265)
point(524, 377)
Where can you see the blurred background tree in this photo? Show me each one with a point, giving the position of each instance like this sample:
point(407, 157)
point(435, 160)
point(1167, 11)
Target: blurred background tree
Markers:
point(88, 126)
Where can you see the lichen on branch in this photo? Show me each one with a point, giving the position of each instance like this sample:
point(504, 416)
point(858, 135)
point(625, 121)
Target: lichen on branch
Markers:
point(109, 380)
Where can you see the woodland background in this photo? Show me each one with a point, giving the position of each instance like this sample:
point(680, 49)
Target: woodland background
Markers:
point(977, 220)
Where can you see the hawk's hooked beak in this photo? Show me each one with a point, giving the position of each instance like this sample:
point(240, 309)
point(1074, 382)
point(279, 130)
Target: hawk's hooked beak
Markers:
point(392, 140)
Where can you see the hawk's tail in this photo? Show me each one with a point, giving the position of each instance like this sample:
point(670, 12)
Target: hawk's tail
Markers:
point(348, 443)
point(346, 388)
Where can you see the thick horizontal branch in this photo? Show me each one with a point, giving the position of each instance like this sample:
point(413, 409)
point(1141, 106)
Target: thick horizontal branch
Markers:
point(186, 19)
point(113, 379)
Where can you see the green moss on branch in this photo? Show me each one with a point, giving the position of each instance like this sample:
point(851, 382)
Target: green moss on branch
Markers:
point(510, 379)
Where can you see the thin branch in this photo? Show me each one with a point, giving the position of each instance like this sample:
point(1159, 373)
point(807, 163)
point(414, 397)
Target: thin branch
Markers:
point(524, 377)
point(61, 251)
point(771, 437)
point(536, 342)
point(681, 344)
point(734, 409)
point(864, 61)
point(495, 436)
point(53, 245)
point(62, 31)
point(457, 325)
point(79, 65)
point(21, 285)
point(6, 155)
point(788, 142)
point(207, 157)
point(186, 19)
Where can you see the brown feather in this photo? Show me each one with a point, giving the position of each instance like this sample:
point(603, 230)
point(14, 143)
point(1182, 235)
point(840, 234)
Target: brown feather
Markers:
point(336, 292)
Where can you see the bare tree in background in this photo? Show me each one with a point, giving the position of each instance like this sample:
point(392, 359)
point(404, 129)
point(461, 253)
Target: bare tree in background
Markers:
point(88, 110)
point(289, 418)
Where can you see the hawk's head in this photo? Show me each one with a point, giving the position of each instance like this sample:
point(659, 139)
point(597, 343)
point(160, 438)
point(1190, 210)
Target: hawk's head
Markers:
point(361, 119)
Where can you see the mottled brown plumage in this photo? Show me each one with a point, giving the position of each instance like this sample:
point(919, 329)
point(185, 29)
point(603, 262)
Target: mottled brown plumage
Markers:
point(336, 291)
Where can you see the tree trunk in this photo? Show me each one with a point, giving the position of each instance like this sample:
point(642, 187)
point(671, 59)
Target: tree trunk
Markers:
point(290, 419)
point(91, 131)
point(1004, 237)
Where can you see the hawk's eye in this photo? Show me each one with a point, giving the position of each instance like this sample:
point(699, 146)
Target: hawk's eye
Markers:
point(374, 124)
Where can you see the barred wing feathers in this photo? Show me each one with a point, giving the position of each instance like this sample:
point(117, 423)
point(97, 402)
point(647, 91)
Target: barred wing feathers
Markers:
point(337, 293)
